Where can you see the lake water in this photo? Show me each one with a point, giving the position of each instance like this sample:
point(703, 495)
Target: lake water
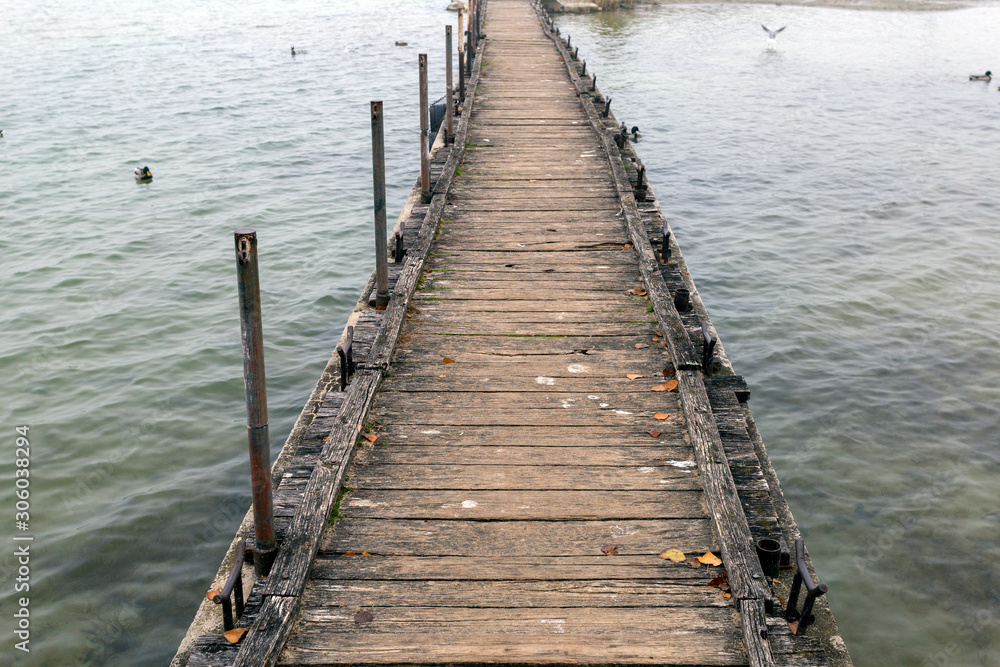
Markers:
point(835, 193)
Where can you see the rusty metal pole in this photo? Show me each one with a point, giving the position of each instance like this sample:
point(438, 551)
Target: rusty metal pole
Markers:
point(474, 26)
point(470, 52)
point(256, 393)
point(461, 60)
point(449, 94)
point(378, 183)
point(425, 128)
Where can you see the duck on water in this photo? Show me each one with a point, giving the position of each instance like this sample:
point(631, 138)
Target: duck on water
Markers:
point(143, 174)
point(981, 77)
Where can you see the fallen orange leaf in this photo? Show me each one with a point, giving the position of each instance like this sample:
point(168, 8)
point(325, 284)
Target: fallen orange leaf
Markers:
point(350, 553)
point(638, 291)
point(639, 346)
point(442, 375)
point(659, 387)
point(670, 386)
point(660, 416)
point(211, 594)
point(370, 437)
point(363, 617)
point(710, 559)
point(656, 338)
point(727, 595)
point(610, 549)
point(235, 635)
point(675, 555)
point(669, 371)
point(633, 376)
point(627, 246)
point(655, 434)
point(447, 360)
point(365, 553)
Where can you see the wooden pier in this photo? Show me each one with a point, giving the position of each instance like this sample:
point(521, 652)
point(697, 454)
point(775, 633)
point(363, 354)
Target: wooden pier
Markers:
point(535, 428)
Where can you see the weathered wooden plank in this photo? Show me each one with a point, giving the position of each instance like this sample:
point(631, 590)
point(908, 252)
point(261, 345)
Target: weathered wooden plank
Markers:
point(519, 383)
point(441, 314)
point(379, 594)
point(481, 258)
point(513, 568)
point(426, 402)
point(664, 645)
point(402, 453)
point(616, 416)
point(486, 326)
point(527, 436)
point(578, 362)
point(522, 505)
point(526, 478)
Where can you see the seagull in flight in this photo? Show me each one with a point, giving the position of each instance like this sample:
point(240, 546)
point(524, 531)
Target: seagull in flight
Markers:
point(773, 34)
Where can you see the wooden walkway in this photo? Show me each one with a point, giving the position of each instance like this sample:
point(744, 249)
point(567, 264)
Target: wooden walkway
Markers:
point(537, 442)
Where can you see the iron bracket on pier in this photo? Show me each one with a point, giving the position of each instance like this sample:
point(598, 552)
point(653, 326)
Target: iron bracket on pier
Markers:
point(233, 583)
point(708, 351)
point(346, 354)
point(803, 616)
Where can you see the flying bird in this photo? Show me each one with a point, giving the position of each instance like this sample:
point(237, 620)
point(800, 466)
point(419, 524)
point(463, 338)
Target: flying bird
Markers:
point(773, 34)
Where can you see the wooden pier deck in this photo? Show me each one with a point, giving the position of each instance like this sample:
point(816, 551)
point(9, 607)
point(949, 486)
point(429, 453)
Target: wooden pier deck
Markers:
point(541, 433)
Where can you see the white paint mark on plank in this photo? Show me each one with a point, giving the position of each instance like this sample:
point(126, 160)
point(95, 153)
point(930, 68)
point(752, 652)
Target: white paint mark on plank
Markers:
point(646, 470)
point(547, 381)
point(431, 432)
point(578, 368)
point(469, 504)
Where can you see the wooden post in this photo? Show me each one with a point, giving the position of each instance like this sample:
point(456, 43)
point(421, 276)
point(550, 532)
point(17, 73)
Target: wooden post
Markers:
point(255, 384)
point(378, 178)
point(449, 93)
point(425, 123)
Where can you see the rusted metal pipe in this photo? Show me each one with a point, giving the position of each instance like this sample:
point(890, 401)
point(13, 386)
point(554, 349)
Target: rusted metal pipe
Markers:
point(461, 60)
point(470, 54)
point(449, 93)
point(256, 394)
point(425, 129)
point(378, 182)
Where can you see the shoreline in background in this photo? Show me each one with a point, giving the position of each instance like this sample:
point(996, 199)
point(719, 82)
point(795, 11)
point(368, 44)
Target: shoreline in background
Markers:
point(577, 6)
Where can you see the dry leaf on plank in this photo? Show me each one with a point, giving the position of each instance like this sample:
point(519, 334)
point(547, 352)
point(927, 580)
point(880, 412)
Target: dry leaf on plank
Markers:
point(235, 635)
point(710, 559)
